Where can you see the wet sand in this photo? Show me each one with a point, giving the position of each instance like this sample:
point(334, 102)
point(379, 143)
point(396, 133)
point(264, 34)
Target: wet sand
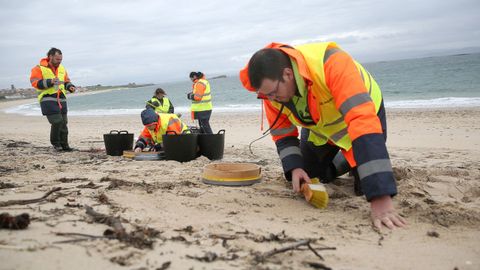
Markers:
point(435, 155)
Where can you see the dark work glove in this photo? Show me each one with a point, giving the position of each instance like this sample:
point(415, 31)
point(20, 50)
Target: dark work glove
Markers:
point(190, 95)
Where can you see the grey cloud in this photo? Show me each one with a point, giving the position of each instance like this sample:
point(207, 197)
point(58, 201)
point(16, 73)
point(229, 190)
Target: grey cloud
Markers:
point(113, 42)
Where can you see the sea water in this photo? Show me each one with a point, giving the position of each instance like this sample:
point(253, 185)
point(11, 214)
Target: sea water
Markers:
point(433, 82)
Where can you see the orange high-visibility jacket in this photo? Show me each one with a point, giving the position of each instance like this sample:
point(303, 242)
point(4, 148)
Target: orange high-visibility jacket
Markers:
point(166, 122)
point(335, 86)
point(51, 101)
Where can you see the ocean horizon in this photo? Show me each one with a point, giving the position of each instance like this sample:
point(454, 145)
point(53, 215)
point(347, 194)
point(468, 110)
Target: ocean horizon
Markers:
point(432, 82)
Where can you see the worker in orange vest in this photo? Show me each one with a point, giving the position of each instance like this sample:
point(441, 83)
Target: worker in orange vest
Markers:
point(51, 80)
point(201, 101)
point(155, 126)
point(339, 107)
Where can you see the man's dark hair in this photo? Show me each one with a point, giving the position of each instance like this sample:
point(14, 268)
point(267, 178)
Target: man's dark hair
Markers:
point(160, 91)
point(53, 51)
point(267, 64)
point(197, 74)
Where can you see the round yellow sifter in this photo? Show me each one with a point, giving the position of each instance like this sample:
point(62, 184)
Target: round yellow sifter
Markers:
point(232, 174)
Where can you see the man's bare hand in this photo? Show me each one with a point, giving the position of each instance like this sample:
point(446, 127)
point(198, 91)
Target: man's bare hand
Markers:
point(383, 213)
point(299, 176)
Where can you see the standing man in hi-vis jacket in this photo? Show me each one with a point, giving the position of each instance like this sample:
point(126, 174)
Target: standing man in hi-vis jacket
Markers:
point(51, 80)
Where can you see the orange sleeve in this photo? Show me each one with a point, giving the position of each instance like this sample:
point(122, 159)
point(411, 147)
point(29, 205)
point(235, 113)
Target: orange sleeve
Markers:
point(36, 76)
point(346, 85)
point(175, 125)
point(145, 134)
point(67, 79)
point(198, 91)
point(283, 127)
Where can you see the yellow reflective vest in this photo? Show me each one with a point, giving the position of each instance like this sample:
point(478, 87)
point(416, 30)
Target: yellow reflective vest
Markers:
point(167, 121)
point(205, 104)
point(160, 108)
point(331, 125)
point(47, 73)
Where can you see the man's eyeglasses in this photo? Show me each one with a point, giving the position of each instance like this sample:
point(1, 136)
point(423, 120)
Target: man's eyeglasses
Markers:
point(269, 95)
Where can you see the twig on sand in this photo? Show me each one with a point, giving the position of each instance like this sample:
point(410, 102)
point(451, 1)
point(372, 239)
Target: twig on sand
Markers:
point(84, 236)
point(317, 265)
point(24, 202)
point(260, 258)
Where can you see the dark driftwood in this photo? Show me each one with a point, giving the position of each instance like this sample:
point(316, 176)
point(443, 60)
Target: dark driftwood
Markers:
point(262, 257)
point(24, 202)
point(139, 239)
point(118, 229)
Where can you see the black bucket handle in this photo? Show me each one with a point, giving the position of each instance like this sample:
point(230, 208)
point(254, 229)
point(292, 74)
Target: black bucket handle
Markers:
point(221, 131)
point(114, 131)
point(123, 131)
point(171, 131)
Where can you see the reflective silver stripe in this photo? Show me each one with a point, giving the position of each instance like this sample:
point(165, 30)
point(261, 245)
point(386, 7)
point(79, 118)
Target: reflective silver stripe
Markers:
point(283, 131)
point(339, 120)
point(201, 101)
point(34, 80)
point(291, 150)
point(318, 134)
point(370, 80)
point(145, 139)
point(53, 99)
point(204, 95)
point(356, 100)
point(361, 73)
point(44, 83)
point(329, 53)
point(373, 167)
point(142, 143)
point(339, 135)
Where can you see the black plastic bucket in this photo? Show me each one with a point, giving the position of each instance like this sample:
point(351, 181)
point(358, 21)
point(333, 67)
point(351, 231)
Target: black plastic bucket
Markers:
point(212, 145)
point(118, 141)
point(180, 147)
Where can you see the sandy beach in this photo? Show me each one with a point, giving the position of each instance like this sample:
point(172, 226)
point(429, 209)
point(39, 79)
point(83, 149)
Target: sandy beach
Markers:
point(186, 224)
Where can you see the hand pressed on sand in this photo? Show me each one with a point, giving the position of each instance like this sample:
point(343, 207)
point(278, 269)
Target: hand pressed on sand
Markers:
point(384, 213)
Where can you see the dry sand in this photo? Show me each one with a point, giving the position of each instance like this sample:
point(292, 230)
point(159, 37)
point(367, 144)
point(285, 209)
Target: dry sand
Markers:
point(435, 155)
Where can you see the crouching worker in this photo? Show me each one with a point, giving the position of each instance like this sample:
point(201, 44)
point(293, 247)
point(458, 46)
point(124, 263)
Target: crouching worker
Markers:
point(157, 125)
point(339, 106)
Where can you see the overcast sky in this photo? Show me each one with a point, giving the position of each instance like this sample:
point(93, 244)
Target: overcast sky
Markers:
point(117, 42)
